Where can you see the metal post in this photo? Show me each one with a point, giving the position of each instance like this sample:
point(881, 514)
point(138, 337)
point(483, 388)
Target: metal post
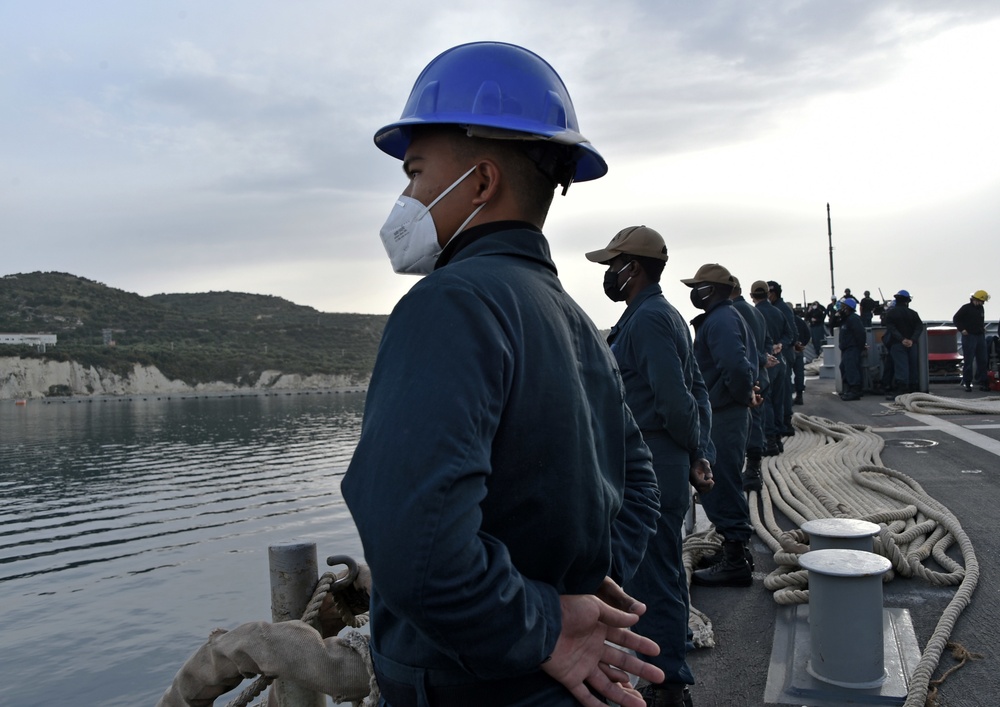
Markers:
point(923, 373)
point(829, 233)
point(845, 617)
point(294, 574)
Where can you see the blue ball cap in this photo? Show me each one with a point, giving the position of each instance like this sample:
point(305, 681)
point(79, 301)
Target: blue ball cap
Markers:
point(494, 89)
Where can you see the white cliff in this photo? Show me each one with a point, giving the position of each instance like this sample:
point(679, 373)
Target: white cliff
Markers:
point(33, 378)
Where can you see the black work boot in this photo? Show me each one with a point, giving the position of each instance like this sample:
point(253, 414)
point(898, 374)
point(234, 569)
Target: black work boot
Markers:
point(667, 694)
point(751, 475)
point(733, 571)
point(851, 392)
point(798, 399)
point(716, 557)
point(773, 447)
point(709, 560)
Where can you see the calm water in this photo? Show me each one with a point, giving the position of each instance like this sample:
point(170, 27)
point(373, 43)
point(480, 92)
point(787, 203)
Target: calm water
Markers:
point(129, 530)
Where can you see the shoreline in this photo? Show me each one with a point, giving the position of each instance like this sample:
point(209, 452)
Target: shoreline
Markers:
point(192, 395)
point(37, 379)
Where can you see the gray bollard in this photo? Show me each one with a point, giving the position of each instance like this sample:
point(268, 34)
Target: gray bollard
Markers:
point(828, 369)
point(840, 534)
point(845, 617)
point(294, 575)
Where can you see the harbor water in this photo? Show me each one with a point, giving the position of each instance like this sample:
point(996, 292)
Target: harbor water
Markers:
point(130, 528)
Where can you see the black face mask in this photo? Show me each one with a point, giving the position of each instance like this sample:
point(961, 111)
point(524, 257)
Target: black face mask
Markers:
point(615, 292)
point(696, 299)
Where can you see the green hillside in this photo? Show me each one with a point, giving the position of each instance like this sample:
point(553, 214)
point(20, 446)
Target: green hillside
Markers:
point(226, 336)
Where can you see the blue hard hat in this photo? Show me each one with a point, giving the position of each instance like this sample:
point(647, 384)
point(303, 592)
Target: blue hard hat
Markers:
point(850, 302)
point(495, 90)
point(903, 294)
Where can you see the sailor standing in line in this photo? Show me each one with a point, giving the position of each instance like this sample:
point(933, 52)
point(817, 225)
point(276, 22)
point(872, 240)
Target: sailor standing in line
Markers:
point(500, 486)
point(970, 319)
point(723, 350)
point(902, 327)
point(852, 341)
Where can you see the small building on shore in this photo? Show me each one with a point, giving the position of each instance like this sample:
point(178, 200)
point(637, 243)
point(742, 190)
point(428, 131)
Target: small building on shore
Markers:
point(39, 341)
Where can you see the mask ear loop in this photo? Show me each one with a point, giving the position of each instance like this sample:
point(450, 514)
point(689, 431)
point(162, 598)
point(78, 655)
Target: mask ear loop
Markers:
point(447, 191)
point(466, 221)
point(475, 211)
point(629, 277)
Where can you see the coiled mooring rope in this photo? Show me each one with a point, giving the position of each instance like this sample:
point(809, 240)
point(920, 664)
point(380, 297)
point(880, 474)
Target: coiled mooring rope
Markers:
point(939, 405)
point(833, 470)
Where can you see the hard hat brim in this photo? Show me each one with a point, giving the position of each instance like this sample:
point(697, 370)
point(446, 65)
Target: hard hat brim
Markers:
point(394, 139)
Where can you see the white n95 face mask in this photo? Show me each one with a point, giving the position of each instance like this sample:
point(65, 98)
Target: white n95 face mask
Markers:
point(410, 236)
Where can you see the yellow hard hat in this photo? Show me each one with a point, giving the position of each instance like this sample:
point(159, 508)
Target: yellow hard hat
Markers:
point(981, 295)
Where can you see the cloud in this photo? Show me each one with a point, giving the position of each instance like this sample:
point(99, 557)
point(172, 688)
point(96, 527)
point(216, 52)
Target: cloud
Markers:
point(229, 145)
point(719, 73)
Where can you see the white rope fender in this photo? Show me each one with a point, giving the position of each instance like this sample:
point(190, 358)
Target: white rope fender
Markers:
point(339, 666)
point(833, 470)
point(290, 649)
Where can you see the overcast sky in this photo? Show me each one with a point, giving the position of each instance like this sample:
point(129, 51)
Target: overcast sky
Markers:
point(181, 146)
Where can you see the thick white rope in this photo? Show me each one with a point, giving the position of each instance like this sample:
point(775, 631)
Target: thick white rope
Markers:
point(696, 546)
point(937, 405)
point(833, 470)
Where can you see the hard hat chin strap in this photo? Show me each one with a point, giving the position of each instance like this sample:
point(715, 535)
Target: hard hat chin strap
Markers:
point(554, 157)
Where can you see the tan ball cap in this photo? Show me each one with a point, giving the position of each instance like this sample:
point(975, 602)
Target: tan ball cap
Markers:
point(712, 273)
point(634, 240)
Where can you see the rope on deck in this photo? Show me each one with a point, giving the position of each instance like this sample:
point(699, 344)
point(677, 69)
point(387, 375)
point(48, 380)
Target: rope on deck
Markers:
point(696, 546)
point(833, 470)
point(938, 405)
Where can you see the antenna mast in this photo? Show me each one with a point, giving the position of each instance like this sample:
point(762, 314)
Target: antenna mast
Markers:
point(829, 233)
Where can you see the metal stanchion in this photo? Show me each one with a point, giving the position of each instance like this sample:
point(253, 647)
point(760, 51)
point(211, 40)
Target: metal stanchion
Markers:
point(294, 574)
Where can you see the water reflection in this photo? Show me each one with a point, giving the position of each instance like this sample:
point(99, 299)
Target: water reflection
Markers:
point(128, 530)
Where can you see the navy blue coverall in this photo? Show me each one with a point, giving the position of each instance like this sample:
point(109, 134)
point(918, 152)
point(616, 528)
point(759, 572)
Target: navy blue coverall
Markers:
point(666, 393)
point(817, 332)
point(757, 326)
point(498, 468)
point(784, 424)
point(851, 340)
point(799, 372)
point(780, 332)
point(970, 319)
point(901, 322)
point(722, 348)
